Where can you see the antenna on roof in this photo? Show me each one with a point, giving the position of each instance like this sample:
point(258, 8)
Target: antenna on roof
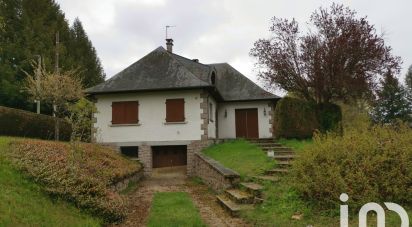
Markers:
point(167, 27)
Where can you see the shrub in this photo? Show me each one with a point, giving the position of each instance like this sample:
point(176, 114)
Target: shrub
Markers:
point(369, 165)
point(80, 174)
point(294, 118)
point(22, 123)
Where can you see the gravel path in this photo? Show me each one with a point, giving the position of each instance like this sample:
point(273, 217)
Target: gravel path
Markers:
point(167, 181)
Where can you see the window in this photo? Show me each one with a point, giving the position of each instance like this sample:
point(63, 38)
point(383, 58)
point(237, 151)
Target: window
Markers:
point(125, 112)
point(130, 151)
point(211, 112)
point(175, 110)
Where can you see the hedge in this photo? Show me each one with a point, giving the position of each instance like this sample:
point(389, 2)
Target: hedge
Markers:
point(14, 122)
point(297, 118)
point(294, 118)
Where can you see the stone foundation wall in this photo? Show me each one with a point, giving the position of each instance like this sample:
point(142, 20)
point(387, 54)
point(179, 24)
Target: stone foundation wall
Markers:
point(122, 185)
point(145, 157)
point(195, 147)
point(214, 174)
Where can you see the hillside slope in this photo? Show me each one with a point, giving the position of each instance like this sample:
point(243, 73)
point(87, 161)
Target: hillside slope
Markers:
point(25, 204)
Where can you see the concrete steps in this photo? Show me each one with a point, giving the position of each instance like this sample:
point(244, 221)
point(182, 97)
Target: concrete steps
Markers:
point(242, 198)
point(232, 207)
point(269, 178)
point(283, 157)
point(252, 188)
point(284, 164)
point(239, 196)
point(276, 171)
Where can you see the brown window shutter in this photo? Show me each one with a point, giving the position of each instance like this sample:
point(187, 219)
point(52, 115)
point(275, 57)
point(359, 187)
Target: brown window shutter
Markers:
point(175, 110)
point(125, 112)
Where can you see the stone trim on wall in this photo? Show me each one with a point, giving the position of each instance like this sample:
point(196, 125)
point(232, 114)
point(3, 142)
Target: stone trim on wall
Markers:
point(271, 113)
point(93, 135)
point(204, 116)
point(213, 174)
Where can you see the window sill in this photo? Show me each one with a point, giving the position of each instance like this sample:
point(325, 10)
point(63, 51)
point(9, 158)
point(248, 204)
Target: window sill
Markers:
point(175, 123)
point(121, 125)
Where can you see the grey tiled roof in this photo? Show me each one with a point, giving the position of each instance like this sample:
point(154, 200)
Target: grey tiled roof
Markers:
point(162, 70)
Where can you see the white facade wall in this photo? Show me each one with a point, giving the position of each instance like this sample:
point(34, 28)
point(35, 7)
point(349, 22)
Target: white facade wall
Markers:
point(212, 121)
point(152, 115)
point(226, 125)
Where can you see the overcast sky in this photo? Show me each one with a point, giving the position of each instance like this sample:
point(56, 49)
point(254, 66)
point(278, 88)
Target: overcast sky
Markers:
point(213, 31)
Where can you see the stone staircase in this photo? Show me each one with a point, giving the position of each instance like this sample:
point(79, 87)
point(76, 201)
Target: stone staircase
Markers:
point(283, 155)
point(244, 197)
point(247, 194)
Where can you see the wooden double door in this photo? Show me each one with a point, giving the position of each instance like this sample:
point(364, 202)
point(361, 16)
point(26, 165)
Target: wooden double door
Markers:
point(247, 125)
point(167, 156)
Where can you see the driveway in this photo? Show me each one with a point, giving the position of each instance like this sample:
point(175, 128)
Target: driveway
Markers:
point(173, 179)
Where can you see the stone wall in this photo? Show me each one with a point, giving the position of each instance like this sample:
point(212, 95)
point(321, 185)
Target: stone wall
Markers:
point(122, 184)
point(214, 174)
point(195, 147)
point(145, 157)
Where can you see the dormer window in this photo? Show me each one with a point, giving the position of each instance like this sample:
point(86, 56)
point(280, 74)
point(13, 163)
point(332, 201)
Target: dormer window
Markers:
point(213, 78)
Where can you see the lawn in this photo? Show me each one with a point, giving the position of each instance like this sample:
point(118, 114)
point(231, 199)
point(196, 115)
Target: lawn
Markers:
point(173, 209)
point(241, 156)
point(23, 203)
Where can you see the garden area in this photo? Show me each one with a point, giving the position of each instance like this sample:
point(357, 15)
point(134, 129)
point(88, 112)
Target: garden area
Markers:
point(322, 172)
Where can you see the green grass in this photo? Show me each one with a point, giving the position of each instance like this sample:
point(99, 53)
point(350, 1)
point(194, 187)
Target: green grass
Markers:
point(173, 209)
point(241, 156)
point(24, 204)
point(295, 144)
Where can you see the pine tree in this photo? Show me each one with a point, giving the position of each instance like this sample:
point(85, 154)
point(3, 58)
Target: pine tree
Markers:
point(408, 83)
point(85, 54)
point(28, 29)
point(408, 78)
point(12, 54)
point(392, 102)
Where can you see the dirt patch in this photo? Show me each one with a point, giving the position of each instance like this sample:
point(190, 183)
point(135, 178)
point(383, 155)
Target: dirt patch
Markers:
point(139, 201)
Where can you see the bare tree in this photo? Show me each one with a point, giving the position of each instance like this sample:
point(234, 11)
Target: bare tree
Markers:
point(54, 88)
point(341, 58)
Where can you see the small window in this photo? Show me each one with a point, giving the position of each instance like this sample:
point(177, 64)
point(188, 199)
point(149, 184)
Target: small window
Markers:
point(175, 110)
point(125, 112)
point(213, 78)
point(211, 112)
point(130, 151)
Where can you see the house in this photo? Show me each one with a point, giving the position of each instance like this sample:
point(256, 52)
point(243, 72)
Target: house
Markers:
point(164, 107)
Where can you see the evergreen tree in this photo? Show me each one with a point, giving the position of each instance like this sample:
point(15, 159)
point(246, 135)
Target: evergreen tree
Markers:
point(392, 102)
point(82, 50)
point(12, 54)
point(408, 82)
point(28, 30)
point(408, 78)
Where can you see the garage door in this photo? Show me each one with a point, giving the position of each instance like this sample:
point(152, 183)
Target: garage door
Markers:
point(246, 121)
point(166, 156)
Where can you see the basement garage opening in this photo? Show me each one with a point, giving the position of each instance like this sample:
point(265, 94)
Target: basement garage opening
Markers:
point(169, 156)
